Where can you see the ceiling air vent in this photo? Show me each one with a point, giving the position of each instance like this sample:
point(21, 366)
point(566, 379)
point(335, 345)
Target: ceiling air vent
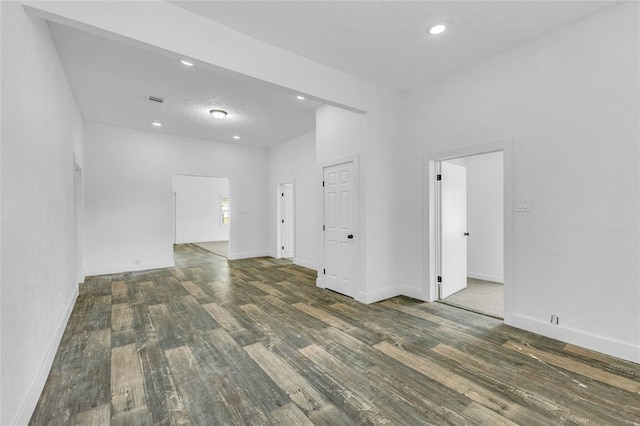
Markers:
point(156, 99)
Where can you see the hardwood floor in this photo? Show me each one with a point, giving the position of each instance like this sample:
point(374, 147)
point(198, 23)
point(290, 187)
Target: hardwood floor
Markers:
point(254, 341)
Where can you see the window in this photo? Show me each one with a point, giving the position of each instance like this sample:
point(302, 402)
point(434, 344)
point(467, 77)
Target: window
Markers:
point(224, 211)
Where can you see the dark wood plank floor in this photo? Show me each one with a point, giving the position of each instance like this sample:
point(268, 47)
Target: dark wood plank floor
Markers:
point(214, 342)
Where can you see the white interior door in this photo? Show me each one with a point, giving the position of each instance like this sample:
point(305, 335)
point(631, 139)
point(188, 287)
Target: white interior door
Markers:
point(340, 216)
point(454, 228)
point(287, 220)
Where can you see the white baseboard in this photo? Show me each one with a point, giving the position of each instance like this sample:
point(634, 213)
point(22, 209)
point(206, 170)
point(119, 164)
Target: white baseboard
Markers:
point(249, 255)
point(25, 411)
point(416, 293)
point(585, 339)
point(378, 295)
point(493, 278)
point(306, 264)
point(116, 269)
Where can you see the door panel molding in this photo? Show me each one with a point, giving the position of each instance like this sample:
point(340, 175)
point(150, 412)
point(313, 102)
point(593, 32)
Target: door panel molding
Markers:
point(356, 253)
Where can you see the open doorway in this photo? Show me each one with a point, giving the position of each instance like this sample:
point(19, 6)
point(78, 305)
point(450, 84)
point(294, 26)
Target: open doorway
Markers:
point(471, 232)
point(202, 212)
point(286, 220)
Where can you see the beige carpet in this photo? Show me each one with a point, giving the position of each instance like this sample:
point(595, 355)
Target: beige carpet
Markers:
point(480, 296)
point(221, 248)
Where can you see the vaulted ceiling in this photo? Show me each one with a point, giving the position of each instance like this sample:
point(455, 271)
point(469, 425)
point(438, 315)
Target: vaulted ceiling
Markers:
point(385, 42)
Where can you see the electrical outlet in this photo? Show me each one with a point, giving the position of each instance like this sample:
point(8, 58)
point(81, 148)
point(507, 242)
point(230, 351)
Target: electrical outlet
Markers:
point(555, 320)
point(523, 205)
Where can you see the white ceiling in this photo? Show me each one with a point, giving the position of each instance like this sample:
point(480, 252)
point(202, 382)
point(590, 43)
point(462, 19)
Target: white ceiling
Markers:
point(385, 41)
point(111, 82)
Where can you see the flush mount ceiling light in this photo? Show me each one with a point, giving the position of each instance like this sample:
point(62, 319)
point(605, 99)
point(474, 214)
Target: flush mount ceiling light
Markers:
point(157, 124)
point(187, 63)
point(236, 137)
point(300, 97)
point(436, 29)
point(218, 114)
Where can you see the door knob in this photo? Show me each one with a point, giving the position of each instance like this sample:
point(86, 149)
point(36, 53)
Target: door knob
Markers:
point(350, 236)
point(466, 234)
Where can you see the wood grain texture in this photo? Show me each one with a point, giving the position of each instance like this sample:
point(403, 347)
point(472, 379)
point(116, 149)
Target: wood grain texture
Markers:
point(254, 341)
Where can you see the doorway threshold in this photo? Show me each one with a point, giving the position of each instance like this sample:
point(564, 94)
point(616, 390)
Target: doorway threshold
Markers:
point(465, 308)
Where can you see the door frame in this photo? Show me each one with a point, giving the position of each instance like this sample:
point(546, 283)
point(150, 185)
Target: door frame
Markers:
point(431, 238)
point(279, 189)
point(78, 201)
point(357, 292)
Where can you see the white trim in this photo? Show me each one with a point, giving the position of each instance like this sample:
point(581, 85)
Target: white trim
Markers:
point(78, 210)
point(305, 264)
point(28, 405)
point(429, 216)
point(492, 278)
point(359, 282)
point(119, 268)
point(414, 292)
point(378, 295)
point(429, 269)
point(578, 337)
point(250, 254)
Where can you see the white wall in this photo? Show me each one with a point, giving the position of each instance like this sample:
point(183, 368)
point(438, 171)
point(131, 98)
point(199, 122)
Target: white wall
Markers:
point(129, 201)
point(295, 161)
point(569, 102)
point(485, 224)
point(572, 92)
point(372, 137)
point(41, 132)
point(197, 216)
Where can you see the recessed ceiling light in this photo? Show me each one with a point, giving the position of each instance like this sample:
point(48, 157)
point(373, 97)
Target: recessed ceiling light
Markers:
point(218, 114)
point(300, 97)
point(236, 137)
point(187, 63)
point(437, 29)
point(157, 124)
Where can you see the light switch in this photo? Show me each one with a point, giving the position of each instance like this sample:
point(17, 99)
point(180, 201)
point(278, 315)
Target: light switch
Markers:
point(523, 205)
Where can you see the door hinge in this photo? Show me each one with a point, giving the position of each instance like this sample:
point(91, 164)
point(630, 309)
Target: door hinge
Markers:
point(323, 184)
point(439, 279)
point(438, 177)
point(323, 227)
point(283, 194)
point(282, 220)
point(282, 247)
point(324, 271)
